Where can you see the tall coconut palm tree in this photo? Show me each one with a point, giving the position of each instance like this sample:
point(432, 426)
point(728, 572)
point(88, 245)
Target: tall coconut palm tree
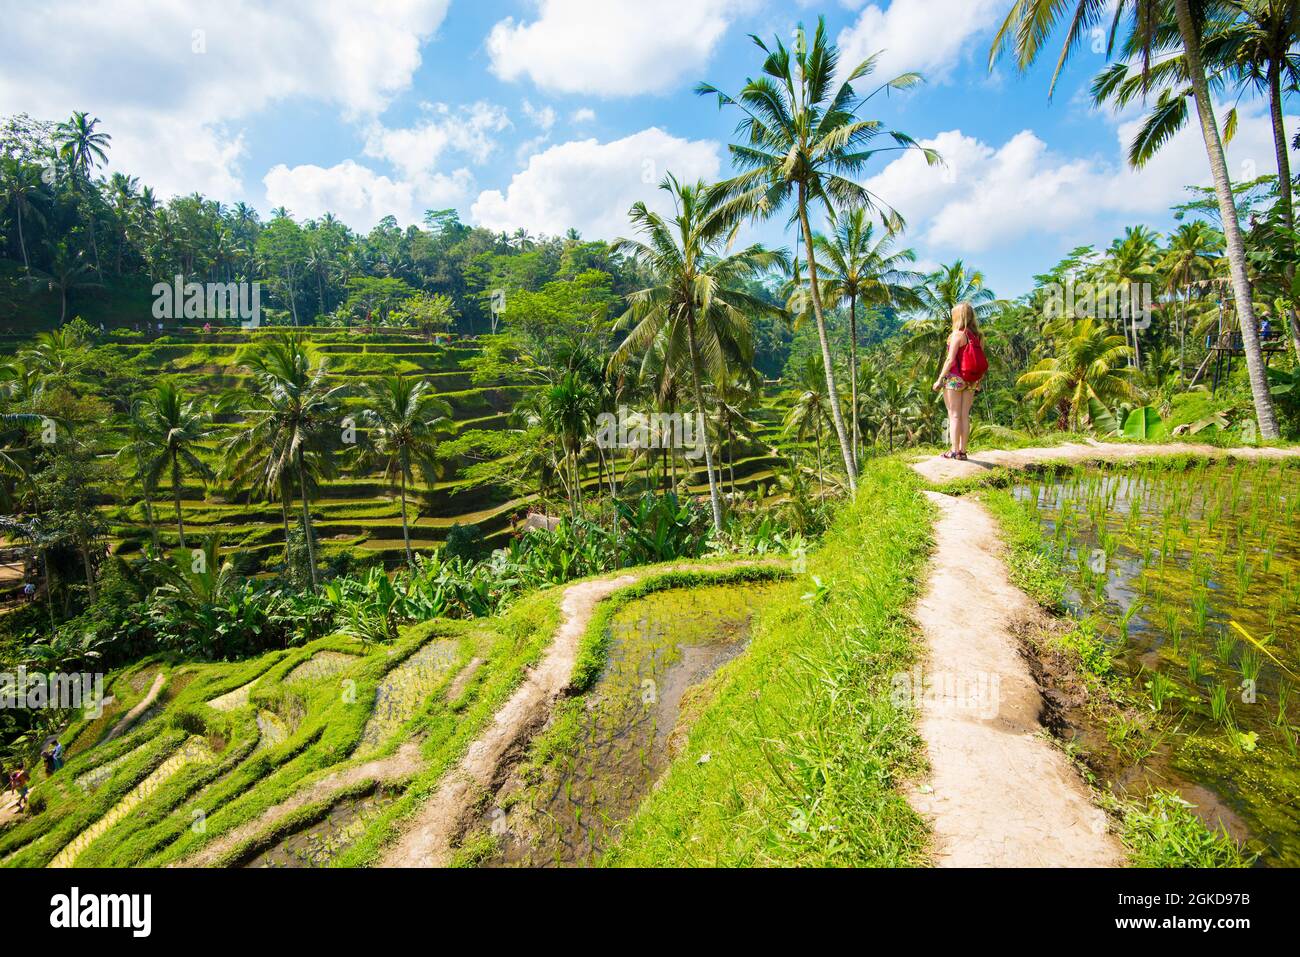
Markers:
point(21, 188)
point(1131, 261)
point(1090, 362)
point(804, 144)
point(171, 429)
point(810, 413)
point(137, 452)
point(405, 420)
point(298, 412)
point(698, 303)
point(82, 148)
point(858, 266)
point(1027, 27)
point(567, 409)
point(936, 298)
point(1187, 263)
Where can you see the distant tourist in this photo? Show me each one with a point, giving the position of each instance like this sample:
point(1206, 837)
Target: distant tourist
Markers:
point(963, 367)
point(19, 781)
point(47, 759)
point(58, 754)
point(1266, 329)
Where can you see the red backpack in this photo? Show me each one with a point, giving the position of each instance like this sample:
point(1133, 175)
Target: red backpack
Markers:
point(971, 361)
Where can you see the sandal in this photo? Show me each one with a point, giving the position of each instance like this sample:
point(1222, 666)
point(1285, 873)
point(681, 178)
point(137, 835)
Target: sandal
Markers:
point(949, 455)
point(961, 456)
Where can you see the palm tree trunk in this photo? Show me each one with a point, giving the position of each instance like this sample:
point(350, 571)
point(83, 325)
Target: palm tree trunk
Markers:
point(306, 519)
point(836, 416)
point(1283, 180)
point(1236, 247)
point(714, 499)
point(90, 572)
point(853, 373)
point(22, 243)
point(821, 480)
point(148, 512)
point(731, 456)
point(176, 497)
point(406, 531)
point(284, 517)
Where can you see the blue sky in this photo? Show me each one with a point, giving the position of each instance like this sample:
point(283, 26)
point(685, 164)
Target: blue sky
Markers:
point(555, 113)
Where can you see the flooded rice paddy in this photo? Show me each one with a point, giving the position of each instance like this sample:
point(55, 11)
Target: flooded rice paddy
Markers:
point(604, 752)
point(321, 843)
point(1192, 578)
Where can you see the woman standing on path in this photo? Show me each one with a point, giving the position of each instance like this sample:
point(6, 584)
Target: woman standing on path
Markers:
point(963, 367)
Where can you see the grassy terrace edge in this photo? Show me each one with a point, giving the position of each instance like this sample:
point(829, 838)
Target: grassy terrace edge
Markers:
point(800, 755)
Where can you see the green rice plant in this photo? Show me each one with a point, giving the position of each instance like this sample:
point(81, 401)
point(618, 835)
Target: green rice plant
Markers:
point(1162, 689)
point(1194, 669)
point(1221, 706)
point(1289, 740)
point(1248, 665)
point(1245, 573)
point(1127, 617)
point(1225, 646)
point(1201, 608)
point(1283, 703)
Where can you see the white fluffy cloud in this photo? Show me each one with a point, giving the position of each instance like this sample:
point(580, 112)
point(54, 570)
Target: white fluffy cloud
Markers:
point(994, 195)
point(591, 185)
point(171, 82)
point(358, 195)
point(415, 150)
point(932, 36)
point(610, 48)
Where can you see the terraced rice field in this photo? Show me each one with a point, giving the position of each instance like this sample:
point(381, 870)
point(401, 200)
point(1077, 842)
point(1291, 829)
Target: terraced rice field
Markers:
point(194, 749)
point(360, 514)
point(403, 690)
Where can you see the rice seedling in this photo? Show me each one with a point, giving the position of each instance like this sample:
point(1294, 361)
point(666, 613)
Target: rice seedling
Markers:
point(1225, 646)
point(1221, 706)
point(1161, 688)
point(1194, 670)
point(1248, 665)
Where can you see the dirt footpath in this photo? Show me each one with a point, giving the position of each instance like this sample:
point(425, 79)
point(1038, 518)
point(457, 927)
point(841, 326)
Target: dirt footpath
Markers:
point(1000, 793)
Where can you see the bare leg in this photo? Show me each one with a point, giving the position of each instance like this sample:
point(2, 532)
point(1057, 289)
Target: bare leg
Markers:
point(967, 399)
point(952, 399)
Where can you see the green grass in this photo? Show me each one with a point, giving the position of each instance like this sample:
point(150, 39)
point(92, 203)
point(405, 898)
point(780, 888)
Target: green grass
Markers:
point(799, 757)
point(1163, 832)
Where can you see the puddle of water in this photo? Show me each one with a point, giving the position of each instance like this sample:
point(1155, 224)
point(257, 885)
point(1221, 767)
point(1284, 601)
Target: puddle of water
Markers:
point(320, 665)
point(271, 729)
point(319, 844)
point(1206, 565)
point(403, 690)
point(233, 699)
point(661, 646)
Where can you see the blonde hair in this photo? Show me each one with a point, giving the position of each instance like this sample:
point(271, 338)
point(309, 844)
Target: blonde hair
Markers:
point(963, 318)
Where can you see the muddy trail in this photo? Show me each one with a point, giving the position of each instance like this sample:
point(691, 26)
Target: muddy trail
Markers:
point(428, 839)
point(938, 470)
point(1000, 794)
